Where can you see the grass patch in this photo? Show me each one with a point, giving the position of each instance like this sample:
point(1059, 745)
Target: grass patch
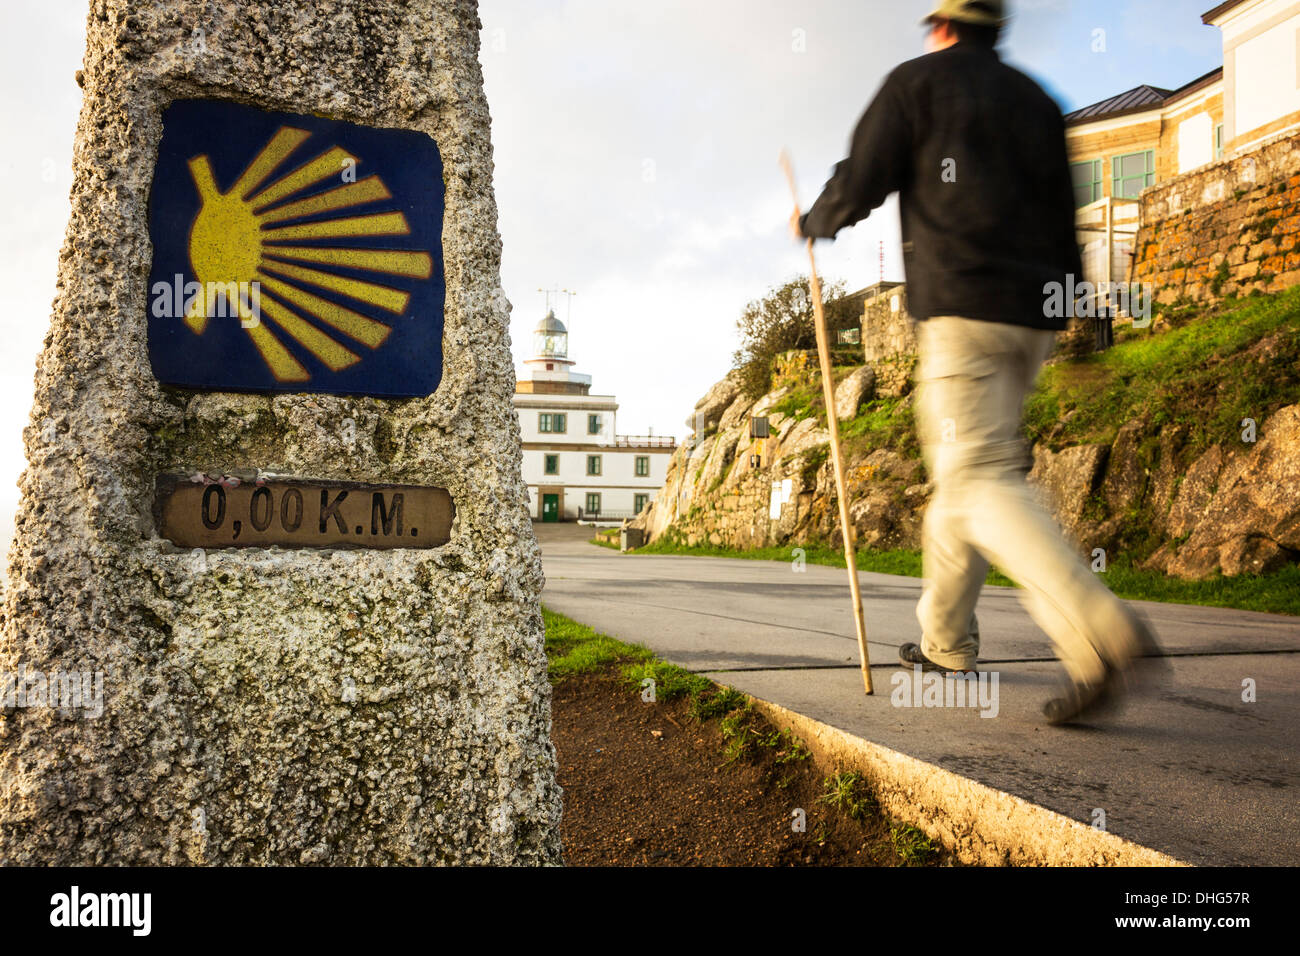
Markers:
point(881, 423)
point(746, 731)
point(670, 681)
point(802, 401)
point(1276, 593)
point(719, 703)
point(607, 538)
point(848, 792)
point(901, 561)
point(1194, 375)
point(573, 648)
point(912, 845)
point(1264, 227)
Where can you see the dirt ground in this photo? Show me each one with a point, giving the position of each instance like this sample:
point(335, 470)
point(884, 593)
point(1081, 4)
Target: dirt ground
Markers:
point(646, 784)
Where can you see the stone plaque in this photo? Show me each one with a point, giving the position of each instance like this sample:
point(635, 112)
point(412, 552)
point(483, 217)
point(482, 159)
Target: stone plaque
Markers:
point(301, 514)
point(295, 253)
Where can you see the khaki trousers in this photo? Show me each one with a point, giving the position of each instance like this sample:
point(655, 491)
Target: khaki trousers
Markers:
point(972, 381)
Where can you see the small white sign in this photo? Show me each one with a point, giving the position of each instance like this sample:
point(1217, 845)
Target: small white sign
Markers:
point(781, 493)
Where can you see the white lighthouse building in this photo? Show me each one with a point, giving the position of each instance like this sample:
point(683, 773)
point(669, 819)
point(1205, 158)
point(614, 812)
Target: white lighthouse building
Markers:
point(576, 465)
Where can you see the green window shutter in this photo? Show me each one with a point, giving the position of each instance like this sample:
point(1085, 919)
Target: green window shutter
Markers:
point(552, 464)
point(593, 424)
point(560, 423)
point(642, 466)
point(593, 503)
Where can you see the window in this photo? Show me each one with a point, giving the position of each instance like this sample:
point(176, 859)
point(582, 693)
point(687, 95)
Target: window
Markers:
point(1087, 181)
point(551, 422)
point(593, 464)
point(1132, 173)
point(639, 502)
point(1218, 141)
point(552, 464)
point(642, 467)
point(593, 503)
point(593, 424)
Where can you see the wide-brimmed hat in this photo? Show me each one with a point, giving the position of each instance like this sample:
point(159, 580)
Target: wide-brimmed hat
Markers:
point(983, 12)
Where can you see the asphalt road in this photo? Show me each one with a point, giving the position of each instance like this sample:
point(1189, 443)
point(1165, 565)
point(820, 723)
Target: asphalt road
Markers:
point(1187, 767)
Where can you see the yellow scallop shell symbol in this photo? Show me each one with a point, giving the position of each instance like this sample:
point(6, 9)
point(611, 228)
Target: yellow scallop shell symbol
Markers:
point(238, 243)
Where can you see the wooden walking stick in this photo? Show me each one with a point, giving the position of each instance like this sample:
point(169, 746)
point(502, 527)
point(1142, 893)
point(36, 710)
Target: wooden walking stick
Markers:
point(828, 392)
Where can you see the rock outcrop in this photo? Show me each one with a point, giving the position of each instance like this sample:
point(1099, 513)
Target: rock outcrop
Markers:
point(709, 409)
point(1232, 508)
point(727, 489)
point(853, 391)
point(1239, 509)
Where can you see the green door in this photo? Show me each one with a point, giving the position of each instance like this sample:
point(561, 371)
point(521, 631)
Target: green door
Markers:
point(550, 507)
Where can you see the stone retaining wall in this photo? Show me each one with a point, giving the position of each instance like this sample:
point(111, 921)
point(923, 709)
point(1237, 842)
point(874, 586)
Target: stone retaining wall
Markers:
point(1229, 228)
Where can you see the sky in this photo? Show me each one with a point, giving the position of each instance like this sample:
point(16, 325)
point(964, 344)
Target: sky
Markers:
point(636, 154)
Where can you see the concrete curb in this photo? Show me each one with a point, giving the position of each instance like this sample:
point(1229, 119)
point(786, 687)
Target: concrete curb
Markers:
point(981, 825)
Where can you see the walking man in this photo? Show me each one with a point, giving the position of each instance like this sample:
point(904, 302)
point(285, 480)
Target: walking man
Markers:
point(977, 152)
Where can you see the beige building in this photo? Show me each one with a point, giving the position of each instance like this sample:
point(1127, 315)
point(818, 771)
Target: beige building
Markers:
point(1147, 135)
point(1126, 143)
point(1133, 140)
point(1261, 69)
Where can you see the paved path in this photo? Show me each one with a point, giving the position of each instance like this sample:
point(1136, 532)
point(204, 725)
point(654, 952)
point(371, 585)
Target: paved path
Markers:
point(1187, 768)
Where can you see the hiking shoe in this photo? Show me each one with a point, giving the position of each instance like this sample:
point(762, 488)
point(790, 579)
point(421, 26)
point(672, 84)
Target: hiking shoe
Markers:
point(1144, 668)
point(910, 653)
point(1081, 699)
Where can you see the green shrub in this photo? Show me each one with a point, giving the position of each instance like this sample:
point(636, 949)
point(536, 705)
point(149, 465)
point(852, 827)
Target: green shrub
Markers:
point(780, 321)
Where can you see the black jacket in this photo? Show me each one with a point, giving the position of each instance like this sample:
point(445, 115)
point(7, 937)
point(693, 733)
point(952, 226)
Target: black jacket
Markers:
point(977, 151)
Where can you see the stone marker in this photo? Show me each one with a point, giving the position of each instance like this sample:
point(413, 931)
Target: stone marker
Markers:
point(273, 522)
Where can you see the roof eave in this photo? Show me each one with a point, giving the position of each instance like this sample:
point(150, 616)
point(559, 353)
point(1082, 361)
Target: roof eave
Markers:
point(1131, 111)
point(1200, 83)
point(1209, 79)
point(1210, 16)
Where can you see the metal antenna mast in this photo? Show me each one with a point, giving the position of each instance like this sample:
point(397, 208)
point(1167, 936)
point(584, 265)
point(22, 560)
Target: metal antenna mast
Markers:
point(568, 312)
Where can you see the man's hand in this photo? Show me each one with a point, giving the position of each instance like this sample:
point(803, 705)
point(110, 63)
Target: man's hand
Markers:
point(795, 234)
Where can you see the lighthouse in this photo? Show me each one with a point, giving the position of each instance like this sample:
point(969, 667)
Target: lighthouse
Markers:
point(550, 370)
point(576, 465)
